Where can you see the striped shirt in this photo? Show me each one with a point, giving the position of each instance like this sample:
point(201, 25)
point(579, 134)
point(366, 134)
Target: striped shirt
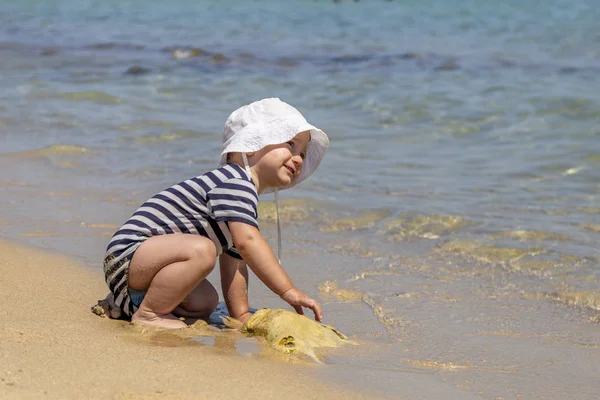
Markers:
point(202, 206)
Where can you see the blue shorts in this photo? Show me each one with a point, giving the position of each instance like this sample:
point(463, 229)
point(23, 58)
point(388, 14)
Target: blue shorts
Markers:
point(136, 296)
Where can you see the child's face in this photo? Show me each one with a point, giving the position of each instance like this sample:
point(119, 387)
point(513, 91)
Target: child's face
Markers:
point(280, 164)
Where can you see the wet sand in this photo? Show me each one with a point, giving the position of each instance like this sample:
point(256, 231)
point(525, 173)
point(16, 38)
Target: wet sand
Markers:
point(53, 347)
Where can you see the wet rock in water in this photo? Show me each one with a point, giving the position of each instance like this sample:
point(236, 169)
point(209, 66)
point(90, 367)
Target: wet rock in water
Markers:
point(287, 62)
point(49, 52)
point(290, 333)
point(115, 45)
point(568, 70)
point(409, 56)
point(137, 70)
point(448, 65)
point(352, 59)
point(103, 46)
point(219, 59)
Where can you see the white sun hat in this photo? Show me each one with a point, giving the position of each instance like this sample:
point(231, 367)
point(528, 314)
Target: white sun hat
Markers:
point(272, 121)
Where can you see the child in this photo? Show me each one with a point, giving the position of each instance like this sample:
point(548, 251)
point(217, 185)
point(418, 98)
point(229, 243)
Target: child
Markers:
point(156, 264)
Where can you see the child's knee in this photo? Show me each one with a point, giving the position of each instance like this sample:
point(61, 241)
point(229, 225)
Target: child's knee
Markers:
point(204, 252)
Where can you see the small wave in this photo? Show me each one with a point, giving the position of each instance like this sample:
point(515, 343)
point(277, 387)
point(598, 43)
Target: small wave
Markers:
point(167, 137)
point(116, 45)
point(289, 210)
point(386, 317)
point(569, 107)
point(14, 183)
point(331, 288)
point(589, 210)
point(533, 261)
point(585, 299)
point(523, 235)
point(144, 124)
point(488, 253)
point(447, 366)
point(510, 334)
point(592, 158)
point(592, 227)
point(101, 226)
point(572, 171)
point(55, 150)
point(351, 224)
point(353, 248)
point(438, 62)
point(41, 233)
point(188, 53)
point(93, 96)
point(423, 227)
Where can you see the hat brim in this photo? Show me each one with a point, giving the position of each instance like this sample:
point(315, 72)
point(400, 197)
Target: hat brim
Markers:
point(316, 149)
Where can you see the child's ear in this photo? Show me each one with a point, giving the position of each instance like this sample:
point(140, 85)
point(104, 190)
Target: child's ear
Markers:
point(250, 153)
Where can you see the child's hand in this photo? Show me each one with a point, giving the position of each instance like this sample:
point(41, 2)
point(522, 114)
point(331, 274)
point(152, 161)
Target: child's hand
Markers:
point(298, 299)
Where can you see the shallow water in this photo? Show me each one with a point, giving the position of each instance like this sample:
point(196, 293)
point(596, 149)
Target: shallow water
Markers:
point(455, 218)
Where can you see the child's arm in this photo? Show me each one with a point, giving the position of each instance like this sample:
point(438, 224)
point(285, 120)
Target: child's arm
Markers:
point(234, 284)
point(260, 258)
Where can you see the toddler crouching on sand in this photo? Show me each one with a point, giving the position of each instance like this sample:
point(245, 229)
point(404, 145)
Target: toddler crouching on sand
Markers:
point(156, 264)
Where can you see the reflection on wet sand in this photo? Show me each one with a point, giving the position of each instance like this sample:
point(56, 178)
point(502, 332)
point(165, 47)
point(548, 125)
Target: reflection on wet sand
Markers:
point(283, 331)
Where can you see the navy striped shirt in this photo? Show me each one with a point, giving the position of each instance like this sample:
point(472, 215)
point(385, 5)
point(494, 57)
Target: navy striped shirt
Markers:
point(202, 205)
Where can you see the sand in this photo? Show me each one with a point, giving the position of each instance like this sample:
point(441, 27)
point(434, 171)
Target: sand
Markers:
point(52, 346)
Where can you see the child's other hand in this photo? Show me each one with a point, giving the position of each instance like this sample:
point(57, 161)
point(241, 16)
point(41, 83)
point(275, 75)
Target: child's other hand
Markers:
point(298, 299)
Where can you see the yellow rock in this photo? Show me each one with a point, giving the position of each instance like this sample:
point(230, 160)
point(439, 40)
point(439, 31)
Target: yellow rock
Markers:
point(290, 332)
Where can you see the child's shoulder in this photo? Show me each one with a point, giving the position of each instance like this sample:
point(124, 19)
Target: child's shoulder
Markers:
point(228, 172)
point(225, 175)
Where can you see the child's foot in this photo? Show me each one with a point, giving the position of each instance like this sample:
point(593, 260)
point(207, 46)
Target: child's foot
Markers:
point(107, 308)
point(168, 321)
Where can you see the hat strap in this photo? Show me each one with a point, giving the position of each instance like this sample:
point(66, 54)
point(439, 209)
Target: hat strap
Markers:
point(276, 193)
point(246, 165)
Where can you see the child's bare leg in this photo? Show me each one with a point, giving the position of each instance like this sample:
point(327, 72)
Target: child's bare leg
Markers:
point(169, 267)
point(200, 303)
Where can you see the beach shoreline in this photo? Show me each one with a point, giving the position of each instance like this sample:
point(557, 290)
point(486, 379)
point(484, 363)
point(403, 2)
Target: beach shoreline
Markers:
point(53, 346)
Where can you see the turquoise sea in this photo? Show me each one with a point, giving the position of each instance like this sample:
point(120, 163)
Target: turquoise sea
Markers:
point(454, 225)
